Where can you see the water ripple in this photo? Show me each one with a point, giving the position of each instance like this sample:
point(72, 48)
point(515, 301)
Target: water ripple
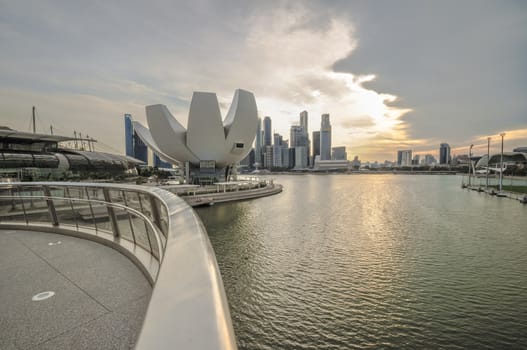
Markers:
point(378, 261)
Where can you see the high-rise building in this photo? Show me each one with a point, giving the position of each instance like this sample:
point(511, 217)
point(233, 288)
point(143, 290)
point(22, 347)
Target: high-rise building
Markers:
point(303, 120)
point(258, 142)
point(416, 160)
point(285, 154)
point(430, 159)
point(268, 137)
point(316, 143)
point(444, 154)
point(135, 147)
point(404, 158)
point(128, 135)
point(291, 157)
point(268, 157)
point(304, 124)
point(298, 137)
point(356, 162)
point(325, 138)
point(277, 151)
point(339, 153)
point(158, 163)
point(301, 157)
point(249, 159)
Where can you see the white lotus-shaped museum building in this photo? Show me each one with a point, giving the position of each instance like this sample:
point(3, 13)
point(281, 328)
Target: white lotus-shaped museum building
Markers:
point(207, 137)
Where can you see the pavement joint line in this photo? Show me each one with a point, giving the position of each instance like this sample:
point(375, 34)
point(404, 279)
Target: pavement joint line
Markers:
point(64, 276)
point(70, 329)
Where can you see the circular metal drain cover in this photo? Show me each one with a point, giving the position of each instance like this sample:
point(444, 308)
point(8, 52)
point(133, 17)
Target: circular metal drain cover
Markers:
point(43, 296)
point(55, 243)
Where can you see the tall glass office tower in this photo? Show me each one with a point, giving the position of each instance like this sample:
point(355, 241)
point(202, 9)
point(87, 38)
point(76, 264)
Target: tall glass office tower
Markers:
point(444, 153)
point(268, 137)
point(128, 135)
point(258, 143)
point(325, 138)
point(135, 147)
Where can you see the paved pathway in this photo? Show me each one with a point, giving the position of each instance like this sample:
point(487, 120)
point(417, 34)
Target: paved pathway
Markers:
point(100, 296)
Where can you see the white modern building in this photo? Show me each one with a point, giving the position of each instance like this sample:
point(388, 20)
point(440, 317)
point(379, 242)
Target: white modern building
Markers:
point(208, 141)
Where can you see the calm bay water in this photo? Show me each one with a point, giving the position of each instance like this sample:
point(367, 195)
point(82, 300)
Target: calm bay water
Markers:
point(373, 261)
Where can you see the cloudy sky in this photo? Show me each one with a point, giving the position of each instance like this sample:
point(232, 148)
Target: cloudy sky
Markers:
point(392, 74)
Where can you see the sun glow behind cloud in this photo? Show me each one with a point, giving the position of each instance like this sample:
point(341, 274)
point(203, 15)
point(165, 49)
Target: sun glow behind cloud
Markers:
point(294, 60)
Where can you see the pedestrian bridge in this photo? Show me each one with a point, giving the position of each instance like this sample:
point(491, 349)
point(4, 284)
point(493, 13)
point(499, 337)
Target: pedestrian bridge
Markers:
point(89, 265)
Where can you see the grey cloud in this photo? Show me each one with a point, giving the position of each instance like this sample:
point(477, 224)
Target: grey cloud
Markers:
point(459, 65)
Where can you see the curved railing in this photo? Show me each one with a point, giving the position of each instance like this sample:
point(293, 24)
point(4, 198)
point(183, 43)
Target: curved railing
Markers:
point(158, 231)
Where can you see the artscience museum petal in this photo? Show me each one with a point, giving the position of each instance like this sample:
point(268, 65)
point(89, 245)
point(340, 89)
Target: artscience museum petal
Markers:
point(207, 137)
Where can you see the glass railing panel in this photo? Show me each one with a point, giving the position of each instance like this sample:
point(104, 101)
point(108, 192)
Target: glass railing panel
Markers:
point(140, 230)
point(95, 193)
point(123, 222)
point(163, 216)
point(11, 206)
point(65, 213)
point(102, 219)
point(84, 213)
point(57, 191)
point(76, 192)
point(132, 200)
point(116, 196)
point(151, 235)
point(146, 208)
point(37, 211)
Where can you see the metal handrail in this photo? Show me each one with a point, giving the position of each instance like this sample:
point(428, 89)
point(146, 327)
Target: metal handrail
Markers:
point(110, 204)
point(188, 308)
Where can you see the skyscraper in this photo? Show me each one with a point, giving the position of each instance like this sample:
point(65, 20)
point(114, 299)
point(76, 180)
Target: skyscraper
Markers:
point(268, 137)
point(304, 125)
point(158, 163)
point(325, 138)
point(301, 157)
point(268, 157)
point(134, 146)
point(404, 158)
point(444, 154)
point(303, 120)
point(316, 143)
point(258, 142)
point(429, 159)
point(277, 151)
point(128, 135)
point(297, 136)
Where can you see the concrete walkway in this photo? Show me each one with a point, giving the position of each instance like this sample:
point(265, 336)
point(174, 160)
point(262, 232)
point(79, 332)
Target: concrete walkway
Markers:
point(100, 296)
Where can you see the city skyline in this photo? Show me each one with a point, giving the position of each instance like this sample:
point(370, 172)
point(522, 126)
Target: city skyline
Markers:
point(392, 75)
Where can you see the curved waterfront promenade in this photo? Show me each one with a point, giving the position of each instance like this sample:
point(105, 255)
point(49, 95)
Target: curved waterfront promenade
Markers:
point(157, 231)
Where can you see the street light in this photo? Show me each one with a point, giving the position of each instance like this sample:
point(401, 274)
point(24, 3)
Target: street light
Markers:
point(488, 164)
point(469, 162)
point(501, 166)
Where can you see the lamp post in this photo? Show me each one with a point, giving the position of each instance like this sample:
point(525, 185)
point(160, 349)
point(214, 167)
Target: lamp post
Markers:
point(469, 163)
point(501, 161)
point(488, 164)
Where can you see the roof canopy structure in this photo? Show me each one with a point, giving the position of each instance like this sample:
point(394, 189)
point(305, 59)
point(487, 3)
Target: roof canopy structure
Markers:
point(6, 133)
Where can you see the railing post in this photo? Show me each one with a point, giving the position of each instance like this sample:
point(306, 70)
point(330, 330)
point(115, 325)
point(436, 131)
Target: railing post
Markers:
point(111, 212)
point(51, 207)
point(155, 211)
